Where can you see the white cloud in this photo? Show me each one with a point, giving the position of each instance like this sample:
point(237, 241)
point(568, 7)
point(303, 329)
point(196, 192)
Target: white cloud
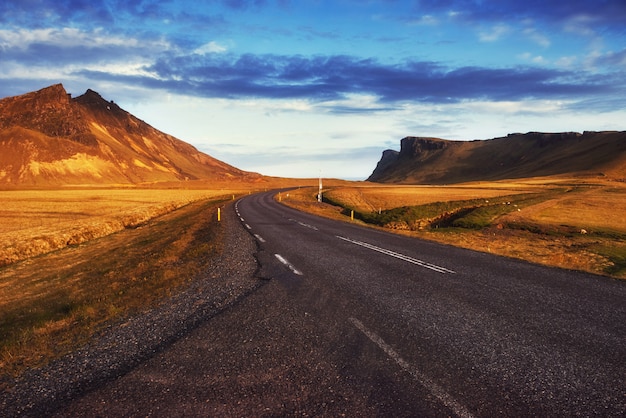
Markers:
point(210, 48)
point(68, 37)
point(97, 38)
point(537, 59)
point(272, 107)
point(581, 24)
point(538, 38)
point(352, 101)
point(566, 62)
point(494, 34)
point(612, 59)
point(426, 20)
point(512, 107)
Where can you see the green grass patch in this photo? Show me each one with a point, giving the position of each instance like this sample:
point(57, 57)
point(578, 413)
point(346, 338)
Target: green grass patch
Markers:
point(617, 256)
point(466, 214)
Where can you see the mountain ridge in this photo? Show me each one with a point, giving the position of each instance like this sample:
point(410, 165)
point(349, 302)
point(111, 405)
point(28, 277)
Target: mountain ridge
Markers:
point(426, 160)
point(48, 138)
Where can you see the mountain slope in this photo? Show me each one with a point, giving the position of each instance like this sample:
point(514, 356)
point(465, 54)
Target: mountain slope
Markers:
point(437, 161)
point(49, 139)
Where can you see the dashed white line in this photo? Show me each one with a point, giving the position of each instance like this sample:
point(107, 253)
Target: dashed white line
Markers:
point(403, 257)
point(288, 264)
point(424, 380)
point(308, 226)
point(260, 238)
point(314, 228)
point(248, 226)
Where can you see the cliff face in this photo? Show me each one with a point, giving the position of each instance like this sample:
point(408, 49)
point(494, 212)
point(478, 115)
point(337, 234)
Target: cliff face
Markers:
point(436, 161)
point(413, 146)
point(387, 162)
point(47, 139)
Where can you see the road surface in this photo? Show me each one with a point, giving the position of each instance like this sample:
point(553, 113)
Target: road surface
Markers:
point(359, 322)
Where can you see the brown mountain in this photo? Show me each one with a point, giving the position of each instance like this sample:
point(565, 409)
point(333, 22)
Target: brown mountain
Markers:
point(534, 154)
point(48, 138)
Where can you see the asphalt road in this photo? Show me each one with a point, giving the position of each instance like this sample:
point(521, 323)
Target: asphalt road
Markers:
point(358, 322)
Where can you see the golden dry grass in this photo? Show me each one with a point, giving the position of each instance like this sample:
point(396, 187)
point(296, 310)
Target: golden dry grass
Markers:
point(372, 198)
point(52, 303)
point(35, 222)
point(590, 208)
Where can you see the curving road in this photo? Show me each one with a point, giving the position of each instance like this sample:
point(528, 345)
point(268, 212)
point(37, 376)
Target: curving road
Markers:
point(475, 334)
point(357, 322)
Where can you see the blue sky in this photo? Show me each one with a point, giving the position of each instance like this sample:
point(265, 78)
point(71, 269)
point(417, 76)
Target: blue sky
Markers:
point(292, 88)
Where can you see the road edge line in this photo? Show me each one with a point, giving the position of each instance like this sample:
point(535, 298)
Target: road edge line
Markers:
point(434, 388)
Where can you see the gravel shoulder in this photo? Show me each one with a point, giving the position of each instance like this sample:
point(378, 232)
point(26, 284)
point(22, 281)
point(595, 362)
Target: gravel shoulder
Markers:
point(122, 346)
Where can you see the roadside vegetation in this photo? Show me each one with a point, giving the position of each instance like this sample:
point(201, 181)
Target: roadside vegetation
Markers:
point(52, 303)
point(470, 214)
point(35, 222)
point(567, 223)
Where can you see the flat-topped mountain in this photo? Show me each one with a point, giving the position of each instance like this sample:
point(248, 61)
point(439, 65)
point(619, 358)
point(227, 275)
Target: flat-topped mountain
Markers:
point(438, 161)
point(48, 138)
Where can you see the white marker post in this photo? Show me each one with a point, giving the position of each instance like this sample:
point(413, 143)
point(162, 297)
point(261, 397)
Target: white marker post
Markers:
point(319, 193)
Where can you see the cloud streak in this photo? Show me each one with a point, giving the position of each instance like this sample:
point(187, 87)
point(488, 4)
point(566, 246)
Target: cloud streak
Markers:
point(326, 78)
point(606, 12)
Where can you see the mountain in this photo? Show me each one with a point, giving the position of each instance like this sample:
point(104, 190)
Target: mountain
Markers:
point(48, 138)
point(534, 154)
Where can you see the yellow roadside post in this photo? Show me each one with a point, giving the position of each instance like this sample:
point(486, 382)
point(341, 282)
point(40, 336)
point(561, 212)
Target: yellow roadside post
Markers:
point(219, 215)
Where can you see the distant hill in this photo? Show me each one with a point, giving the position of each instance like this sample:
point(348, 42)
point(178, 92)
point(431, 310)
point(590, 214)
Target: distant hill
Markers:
point(48, 138)
point(534, 154)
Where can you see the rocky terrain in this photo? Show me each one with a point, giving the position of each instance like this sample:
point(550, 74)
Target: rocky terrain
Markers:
point(48, 138)
point(439, 161)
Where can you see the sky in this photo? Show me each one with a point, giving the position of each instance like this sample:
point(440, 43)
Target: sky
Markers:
point(322, 87)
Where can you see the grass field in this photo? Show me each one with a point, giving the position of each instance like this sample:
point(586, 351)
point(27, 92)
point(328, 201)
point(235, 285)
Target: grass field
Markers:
point(567, 223)
point(92, 256)
point(373, 198)
point(35, 222)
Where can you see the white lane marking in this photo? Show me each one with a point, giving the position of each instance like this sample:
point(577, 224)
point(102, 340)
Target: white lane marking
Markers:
point(403, 257)
point(424, 380)
point(304, 224)
point(242, 220)
point(259, 237)
point(248, 226)
point(308, 226)
point(288, 264)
